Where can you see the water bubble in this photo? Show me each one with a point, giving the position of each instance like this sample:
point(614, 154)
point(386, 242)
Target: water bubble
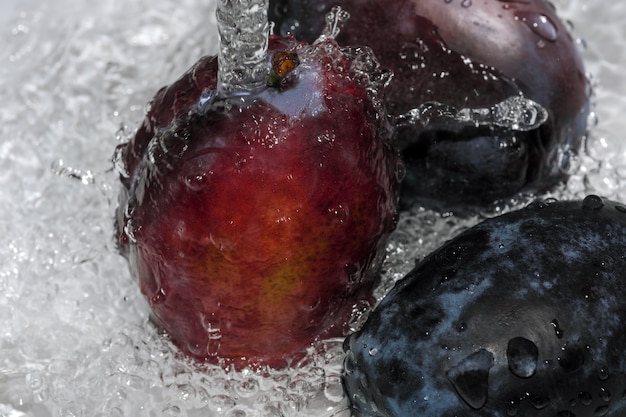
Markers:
point(593, 202)
point(171, 411)
point(470, 378)
point(247, 388)
point(522, 355)
point(333, 389)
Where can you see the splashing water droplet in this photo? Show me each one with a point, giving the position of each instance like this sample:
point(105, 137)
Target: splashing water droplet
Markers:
point(522, 355)
point(470, 378)
point(515, 113)
point(540, 24)
point(118, 162)
point(360, 313)
point(215, 337)
point(60, 169)
point(334, 21)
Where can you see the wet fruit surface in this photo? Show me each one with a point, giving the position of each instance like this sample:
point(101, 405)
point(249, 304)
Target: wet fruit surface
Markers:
point(254, 225)
point(520, 315)
point(467, 54)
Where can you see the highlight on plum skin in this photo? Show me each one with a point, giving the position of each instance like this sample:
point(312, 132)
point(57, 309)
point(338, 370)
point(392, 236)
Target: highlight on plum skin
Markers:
point(254, 227)
point(467, 55)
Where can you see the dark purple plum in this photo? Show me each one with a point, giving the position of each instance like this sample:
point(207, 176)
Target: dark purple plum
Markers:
point(521, 315)
point(466, 54)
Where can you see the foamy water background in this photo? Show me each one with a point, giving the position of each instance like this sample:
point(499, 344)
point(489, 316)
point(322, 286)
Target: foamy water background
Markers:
point(75, 341)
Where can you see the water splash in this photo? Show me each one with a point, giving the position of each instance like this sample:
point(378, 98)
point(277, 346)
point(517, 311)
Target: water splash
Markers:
point(244, 29)
point(335, 20)
point(515, 113)
point(75, 334)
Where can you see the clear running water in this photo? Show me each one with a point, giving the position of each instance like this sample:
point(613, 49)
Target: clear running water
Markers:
point(76, 341)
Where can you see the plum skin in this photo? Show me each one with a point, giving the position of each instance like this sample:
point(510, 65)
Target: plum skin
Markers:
point(253, 232)
point(453, 336)
point(512, 48)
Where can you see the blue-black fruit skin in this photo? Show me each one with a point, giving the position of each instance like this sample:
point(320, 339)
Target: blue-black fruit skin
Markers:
point(552, 275)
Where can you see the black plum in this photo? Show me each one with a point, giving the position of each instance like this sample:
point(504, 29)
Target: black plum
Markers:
point(467, 54)
point(521, 315)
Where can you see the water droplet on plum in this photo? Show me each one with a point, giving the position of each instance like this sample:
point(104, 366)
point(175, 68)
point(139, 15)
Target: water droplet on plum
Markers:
point(522, 355)
point(158, 297)
point(512, 407)
point(605, 394)
point(557, 328)
point(593, 202)
point(539, 402)
point(470, 378)
point(540, 24)
point(601, 410)
point(603, 374)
